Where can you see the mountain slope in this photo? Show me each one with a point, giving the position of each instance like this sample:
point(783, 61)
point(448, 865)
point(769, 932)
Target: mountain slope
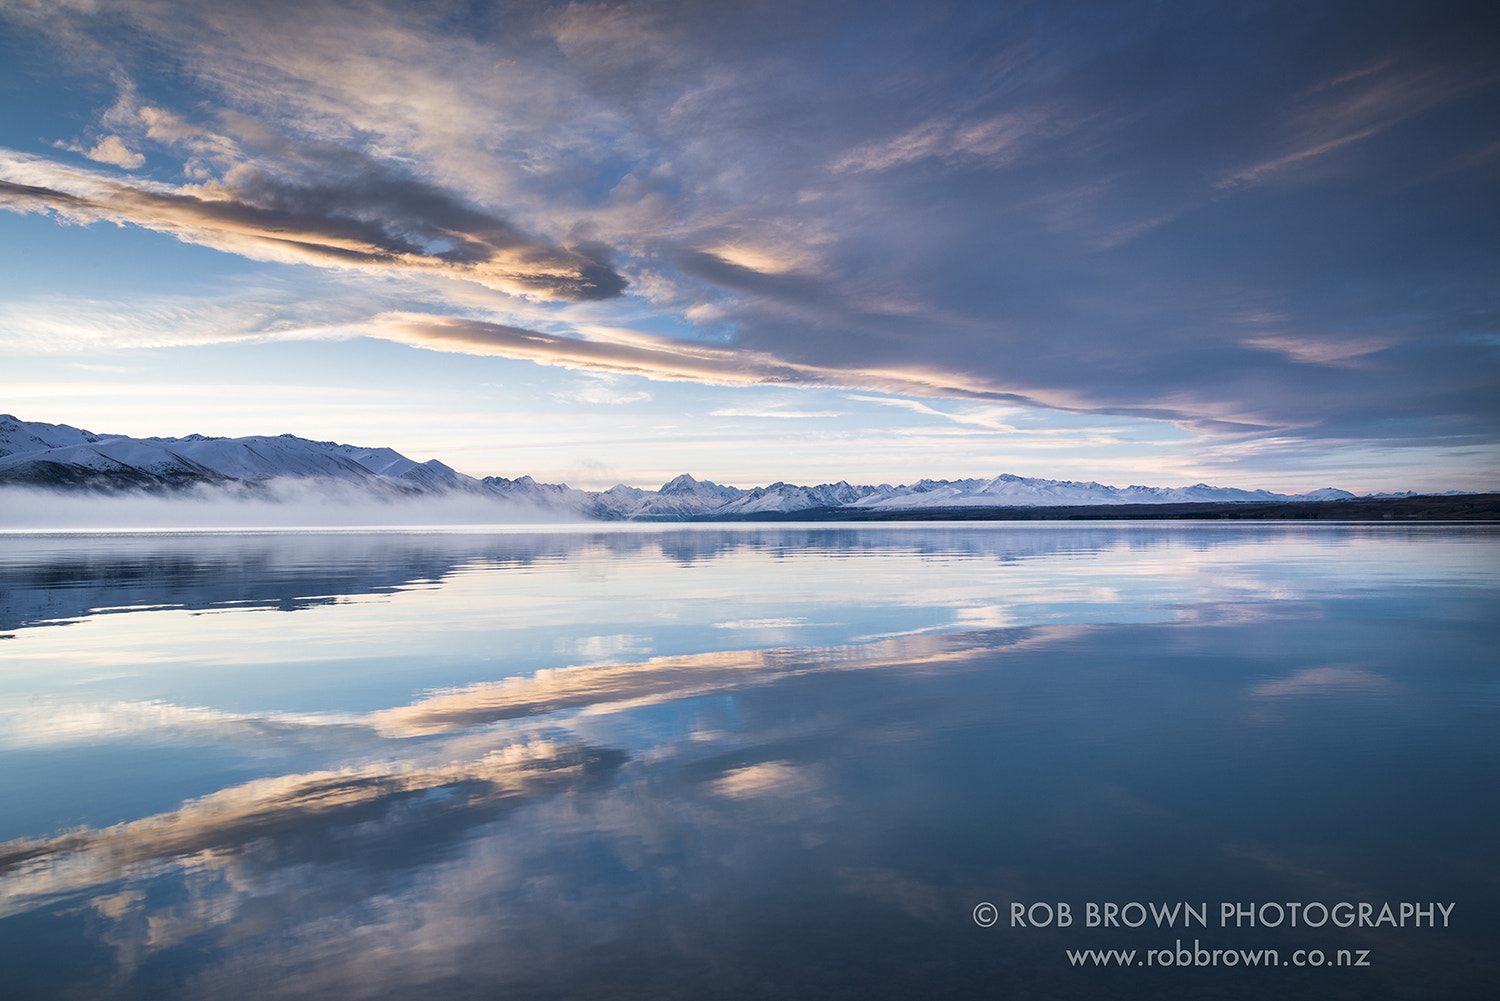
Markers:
point(58, 456)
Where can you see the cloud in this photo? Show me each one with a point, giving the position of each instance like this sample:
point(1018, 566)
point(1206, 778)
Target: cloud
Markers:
point(358, 214)
point(1365, 102)
point(995, 141)
point(660, 358)
point(112, 149)
point(767, 260)
point(774, 412)
point(603, 388)
point(1310, 351)
point(989, 417)
point(654, 358)
point(51, 324)
point(1057, 212)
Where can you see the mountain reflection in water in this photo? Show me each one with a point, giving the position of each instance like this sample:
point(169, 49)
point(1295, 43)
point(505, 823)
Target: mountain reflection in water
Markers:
point(719, 762)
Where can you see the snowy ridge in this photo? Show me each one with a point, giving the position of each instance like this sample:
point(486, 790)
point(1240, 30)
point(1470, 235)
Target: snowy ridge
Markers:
point(64, 457)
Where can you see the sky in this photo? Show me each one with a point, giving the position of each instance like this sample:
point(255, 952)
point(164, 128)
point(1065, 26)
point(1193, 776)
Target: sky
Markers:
point(1253, 244)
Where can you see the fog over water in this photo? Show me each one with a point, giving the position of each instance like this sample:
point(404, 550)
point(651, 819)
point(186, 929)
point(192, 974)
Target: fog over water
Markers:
point(279, 503)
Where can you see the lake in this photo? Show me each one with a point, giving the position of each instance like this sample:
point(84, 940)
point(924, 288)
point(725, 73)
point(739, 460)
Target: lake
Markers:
point(1020, 760)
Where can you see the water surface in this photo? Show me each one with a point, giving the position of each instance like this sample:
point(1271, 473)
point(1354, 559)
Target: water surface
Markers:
point(728, 762)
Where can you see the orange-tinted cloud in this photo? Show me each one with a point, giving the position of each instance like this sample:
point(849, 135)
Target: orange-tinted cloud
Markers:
point(666, 359)
point(375, 219)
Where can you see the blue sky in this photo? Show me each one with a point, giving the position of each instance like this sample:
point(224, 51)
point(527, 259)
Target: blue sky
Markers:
point(1250, 244)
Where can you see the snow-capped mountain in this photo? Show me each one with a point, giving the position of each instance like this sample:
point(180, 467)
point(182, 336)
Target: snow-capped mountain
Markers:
point(525, 490)
point(1007, 490)
point(679, 498)
point(62, 457)
point(56, 454)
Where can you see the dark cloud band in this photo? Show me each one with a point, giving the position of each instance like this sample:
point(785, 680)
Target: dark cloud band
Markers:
point(397, 223)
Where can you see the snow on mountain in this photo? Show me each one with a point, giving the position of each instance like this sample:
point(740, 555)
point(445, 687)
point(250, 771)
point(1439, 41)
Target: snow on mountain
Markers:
point(1327, 494)
point(681, 497)
point(18, 436)
point(259, 457)
point(111, 455)
point(434, 475)
point(1008, 490)
point(381, 461)
point(60, 456)
point(546, 496)
point(787, 497)
point(1004, 490)
point(685, 497)
point(53, 453)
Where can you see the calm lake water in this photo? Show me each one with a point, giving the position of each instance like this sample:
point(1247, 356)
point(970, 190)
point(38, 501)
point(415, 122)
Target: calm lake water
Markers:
point(780, 762)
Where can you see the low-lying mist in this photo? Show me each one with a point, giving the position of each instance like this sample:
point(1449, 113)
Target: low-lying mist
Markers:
point(280, 503)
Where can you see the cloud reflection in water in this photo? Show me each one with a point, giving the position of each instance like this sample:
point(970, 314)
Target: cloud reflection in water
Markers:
point(805, 817)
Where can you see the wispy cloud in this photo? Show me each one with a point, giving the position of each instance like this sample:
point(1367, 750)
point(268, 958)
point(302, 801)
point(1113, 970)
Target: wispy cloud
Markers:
point(603, 388)
point(54, 324)
point(773, 412)
point(659, 358)
point(990, 417)
point(1312, 351)
point(1362, 103)
point(995, 141)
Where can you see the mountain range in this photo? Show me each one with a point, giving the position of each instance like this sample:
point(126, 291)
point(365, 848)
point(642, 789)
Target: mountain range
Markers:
point(61, 457)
